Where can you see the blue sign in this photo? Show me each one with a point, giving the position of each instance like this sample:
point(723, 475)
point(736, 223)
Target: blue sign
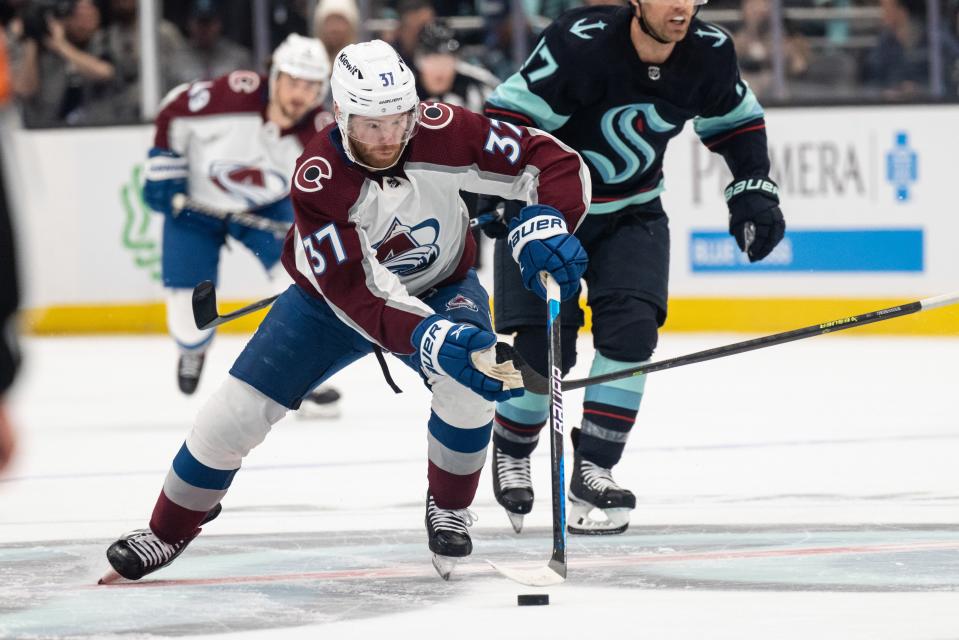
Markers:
point(902, 166)
point(814, 250)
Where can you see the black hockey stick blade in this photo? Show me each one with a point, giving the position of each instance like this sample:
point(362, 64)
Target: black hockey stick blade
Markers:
point(205, 314)
point(204, 304)
point(531, 380)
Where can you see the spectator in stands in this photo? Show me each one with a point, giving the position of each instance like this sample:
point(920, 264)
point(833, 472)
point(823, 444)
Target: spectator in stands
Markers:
point(413, 16)
point(755, 48)
point(442, 76)
point(898, 66)
point(65, 63)
point(335, 24)
point(207, 54)
point(286, 17)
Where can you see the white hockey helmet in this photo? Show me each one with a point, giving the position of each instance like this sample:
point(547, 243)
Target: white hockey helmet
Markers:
point(371, 80)
point(301, 57)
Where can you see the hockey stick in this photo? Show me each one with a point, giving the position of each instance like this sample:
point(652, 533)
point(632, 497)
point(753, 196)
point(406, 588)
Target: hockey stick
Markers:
point(555, 571)
point(205, 313)
point(278, 228)
point(538, 384)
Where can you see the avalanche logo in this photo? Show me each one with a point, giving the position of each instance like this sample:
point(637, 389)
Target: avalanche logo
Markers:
point(407, 250)
point(461, 302)
point(622, 131)
point(256, 185)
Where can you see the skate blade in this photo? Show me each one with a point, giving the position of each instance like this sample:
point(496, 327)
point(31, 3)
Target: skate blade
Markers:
point(516, 519)
point(110, 577)
point(582, 523)
point(543, 576)
point(444, 565)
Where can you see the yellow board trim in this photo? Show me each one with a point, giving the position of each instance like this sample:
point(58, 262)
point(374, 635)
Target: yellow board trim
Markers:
point(742, 315)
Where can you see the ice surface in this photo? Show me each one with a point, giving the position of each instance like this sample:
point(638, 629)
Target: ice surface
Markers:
point(801, 491)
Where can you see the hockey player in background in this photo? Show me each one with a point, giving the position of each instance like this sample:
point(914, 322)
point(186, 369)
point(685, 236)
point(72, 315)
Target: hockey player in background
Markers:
point(231, 144)
point(616, 84)
point(381, 255)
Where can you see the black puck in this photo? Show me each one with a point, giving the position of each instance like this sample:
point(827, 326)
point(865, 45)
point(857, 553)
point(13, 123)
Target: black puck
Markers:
point(532, 599)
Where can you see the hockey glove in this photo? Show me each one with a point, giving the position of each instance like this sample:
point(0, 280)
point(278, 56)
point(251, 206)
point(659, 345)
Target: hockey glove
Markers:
point(166, 175)
point(455, 350)
point(755, 219)
point(491, 216)
point(540, 242)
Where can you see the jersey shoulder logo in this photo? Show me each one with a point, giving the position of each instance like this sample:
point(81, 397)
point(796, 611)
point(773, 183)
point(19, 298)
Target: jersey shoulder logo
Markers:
point(406, 250)
point(581, 28)
point(435, 115)
point(709, 31)
point(243, 81)
point(311, 174)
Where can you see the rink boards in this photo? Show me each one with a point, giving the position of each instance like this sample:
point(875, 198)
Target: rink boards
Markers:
point(866, 192)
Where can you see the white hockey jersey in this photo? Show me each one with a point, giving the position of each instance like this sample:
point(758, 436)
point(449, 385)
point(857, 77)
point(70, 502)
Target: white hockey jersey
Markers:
point(238, 159)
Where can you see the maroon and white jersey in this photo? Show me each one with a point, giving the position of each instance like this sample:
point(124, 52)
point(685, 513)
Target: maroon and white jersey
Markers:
point(238, 159)
point(370, 243)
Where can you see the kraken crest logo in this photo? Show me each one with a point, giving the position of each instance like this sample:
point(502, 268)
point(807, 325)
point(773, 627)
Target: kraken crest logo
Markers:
point(622, 132)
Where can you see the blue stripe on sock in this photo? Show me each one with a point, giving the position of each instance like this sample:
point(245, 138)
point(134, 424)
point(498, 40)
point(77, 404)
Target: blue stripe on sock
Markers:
point(529, 408)
point(197, 474)
point(614, 397)
point(461, 440)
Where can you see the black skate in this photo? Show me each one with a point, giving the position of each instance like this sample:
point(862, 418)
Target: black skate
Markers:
point(512, 486)
point(140, 552)
point(188, 371)
point(448, 536)
point(593, 487)
point(323, 402)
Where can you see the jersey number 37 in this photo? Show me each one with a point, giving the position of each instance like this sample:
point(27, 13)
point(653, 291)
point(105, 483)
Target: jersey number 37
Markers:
point(313, 243)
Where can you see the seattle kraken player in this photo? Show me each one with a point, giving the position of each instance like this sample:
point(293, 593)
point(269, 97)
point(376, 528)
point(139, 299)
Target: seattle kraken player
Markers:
point(381, 254)
point(231, 143)
point(616, 84)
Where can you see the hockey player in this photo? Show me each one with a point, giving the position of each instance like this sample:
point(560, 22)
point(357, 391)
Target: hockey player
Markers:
point(381, 254)
point(616, 84)
point(231, 144)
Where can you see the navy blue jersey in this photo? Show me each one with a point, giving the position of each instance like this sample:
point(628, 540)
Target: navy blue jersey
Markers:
point(585, 83)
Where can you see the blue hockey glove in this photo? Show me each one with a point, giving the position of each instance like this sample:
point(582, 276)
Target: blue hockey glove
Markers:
point(540, 242)
point(166, 175)
point(755, 219)
point(444, 348)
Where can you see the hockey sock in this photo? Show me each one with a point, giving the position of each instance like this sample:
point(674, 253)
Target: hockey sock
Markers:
point(517, 423)
point(609, 412)
point(456, 458)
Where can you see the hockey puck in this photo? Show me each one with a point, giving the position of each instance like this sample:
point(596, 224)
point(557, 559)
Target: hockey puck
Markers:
point(532, 599)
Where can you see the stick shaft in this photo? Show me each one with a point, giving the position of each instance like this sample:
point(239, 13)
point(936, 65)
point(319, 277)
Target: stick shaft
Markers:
point(770, 340)
point(556, 427)
point(244, 218)
point(239, 313)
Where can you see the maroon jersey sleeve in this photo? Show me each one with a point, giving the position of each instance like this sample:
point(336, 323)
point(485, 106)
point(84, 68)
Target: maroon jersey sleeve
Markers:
point(236, 92)
point(499, 158)
point(328, 255)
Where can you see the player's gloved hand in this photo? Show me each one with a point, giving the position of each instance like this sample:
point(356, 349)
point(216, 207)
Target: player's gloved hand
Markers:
point(447, 349)
point(755, 219)
point(540, 242)
point(490, 212)
point(166, 175)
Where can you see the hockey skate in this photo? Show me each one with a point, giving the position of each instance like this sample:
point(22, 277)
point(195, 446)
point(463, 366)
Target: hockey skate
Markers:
point(140, 552)
point(512, 486)
point(188, 371)
point(448, 536)
point(592, 488)
point(323, 403)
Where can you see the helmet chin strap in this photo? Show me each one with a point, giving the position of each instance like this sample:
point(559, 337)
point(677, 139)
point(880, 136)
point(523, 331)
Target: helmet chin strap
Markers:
point(645, 27)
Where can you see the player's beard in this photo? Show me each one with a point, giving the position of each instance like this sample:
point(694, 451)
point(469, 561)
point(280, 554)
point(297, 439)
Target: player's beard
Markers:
point(294, 112)
point(376, 156)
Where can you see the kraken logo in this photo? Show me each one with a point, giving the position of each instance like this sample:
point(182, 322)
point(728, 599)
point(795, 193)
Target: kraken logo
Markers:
point(619, 129)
